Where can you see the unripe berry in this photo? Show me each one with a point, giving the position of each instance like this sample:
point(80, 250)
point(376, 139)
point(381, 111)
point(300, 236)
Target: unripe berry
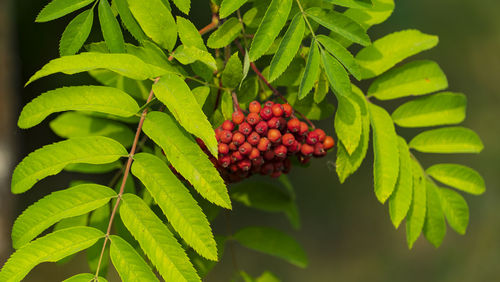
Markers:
point(280, 151)
point(264, 144)
point(274, 135)
point(307, 150)
point(245, 128)
point(254, 107)
point(225, 161)
point(277, 110)
point(232, 146)
point(328, 143)
point(238, 138)
point(269, 103)
point(253, 138)
point(236, 156)
point(288, 139)
point(245, 165)
point(266, 113)
point(319, 150)
point(274, 123)
point(269, 155)
point(223, 148)
point(245, 148)
point(293, 125)
point(288, 110)
point(226, 136)
point(255, 154)
point(261, 127)
point(295, 147)
point(267, 169)
point(228, 125)
point(303, 128)
point(312, 138)
point(238, 117)
point(321, 134)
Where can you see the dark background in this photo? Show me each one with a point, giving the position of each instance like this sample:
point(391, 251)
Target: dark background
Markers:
point(347, 234)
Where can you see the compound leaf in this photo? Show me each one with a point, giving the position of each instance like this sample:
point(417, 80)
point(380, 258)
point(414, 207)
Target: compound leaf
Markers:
point(458, 176)
point(58, 8)
point(76, 33)
point(447, 140)
point(128, 263)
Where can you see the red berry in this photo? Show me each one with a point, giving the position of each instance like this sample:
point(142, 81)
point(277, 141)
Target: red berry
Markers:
point(218, 131)
point(245, 165)
point(282, 124)
point(245, 148)
point(226, 136)
point(274, 123)
point(253, 118)
point(321, 134)
point(295, 147)
point(258, 161)
point(234, 168)
point(280, 151)
point(261, 127)
point(238, 138)
point(254, 154)
point(267, 169)
point(303, 128)
point(245, 128)
point(253, 138)
point(304, 160)
point(254, 107)
point(277, 110)
point(278, 166)
point(269, 103)
point(225, 161)
point(238, 117)
point(307, 150)
point(223, 148)
point(319, 150)
point(232, 146)
point(328, 143)
point(228, 125)
point(288, 110)
point(293, 125)
point(269, 155)
point(236, 156)
point(312, 138)
point(274, 135)
point(264, 144)
point(266, 113)
point(288, 139)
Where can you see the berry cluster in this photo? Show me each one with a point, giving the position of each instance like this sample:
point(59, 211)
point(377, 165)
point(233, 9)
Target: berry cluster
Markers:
point(262, 141)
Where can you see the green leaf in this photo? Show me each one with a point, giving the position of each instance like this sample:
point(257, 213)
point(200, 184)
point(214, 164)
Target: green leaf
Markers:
point(288, 47)
point(110, 27)
point(225, 34)
point(416, 215)
point(385, 149)
point(273, 242)
point(93, 169)
point(434, 226)
point(128, 20)
point(226, 107)
point(135, 88)
point(437, 109)
point(78, 98)
point(391, 49)
point(99, 219)
point(377, 14)
point(233, 72)
point(337, 75)
point(67, 203)
point(124, 64)
point(183, 5)
point(76, 33)
point(176, 95)
point(187, 157)
point(311, 71)
point(227, 7)
point(201, 94)
point(348, 123)
point(342, 54)
point(51, 159)
point(80, 220)
point(359, 4)
point(321, 88)
point(181, 210)
point(50, 248)
point(414, 78)
point(458, 176)
point(188, 54)
point(156, 20)
point(128, 263)
point(59, 8)
point(447, 140)
point(189, 35)
point(261, 195)
point(339, 23)
point(455, 209)
point(155, 239)
point(272, 23)
point(400, 200)
point(85, 277)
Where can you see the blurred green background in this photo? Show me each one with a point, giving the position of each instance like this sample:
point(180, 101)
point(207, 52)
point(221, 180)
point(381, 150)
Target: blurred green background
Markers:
point(346, 233)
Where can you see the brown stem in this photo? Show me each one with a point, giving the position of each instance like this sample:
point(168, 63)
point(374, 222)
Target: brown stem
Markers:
point(236, 104)
point(125, 176)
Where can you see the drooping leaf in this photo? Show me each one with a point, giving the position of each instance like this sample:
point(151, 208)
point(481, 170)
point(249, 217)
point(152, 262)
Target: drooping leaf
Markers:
point(58, 8)
point(156, 20)
point(50, 248)
point(288, 47)
point(227, 7)
point(156, 240)
point(359, 4)
point(84, 277)
point(447, 140)
point(339, 23)
point(189, 35)
point(51, 159)
point(455, 209)
point(337, 75)
point(434, 226)
point(128, 20)
point(391, 49)
point(181, 210)
point(401, 198)
point(416, 214)
point(414, 78)
point(187, 157)
point(76, 33)
point(437, 109)
point(176, 95)
point(78, 98)
point(272, 23)
point(183, 5)
point(311, 71)
point(348, 122)
point(188, 54)
point(377, 14)
point(342, 54)
point(233, 72)
point(110, 27)
point(124, 64)
point(458, 176)
point(273, 242)
point(385, 149)
point(128, 263)
point(67, 203)
point(225, 34)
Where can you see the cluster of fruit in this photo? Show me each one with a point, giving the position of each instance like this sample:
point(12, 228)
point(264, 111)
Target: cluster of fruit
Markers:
point(262, 142)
